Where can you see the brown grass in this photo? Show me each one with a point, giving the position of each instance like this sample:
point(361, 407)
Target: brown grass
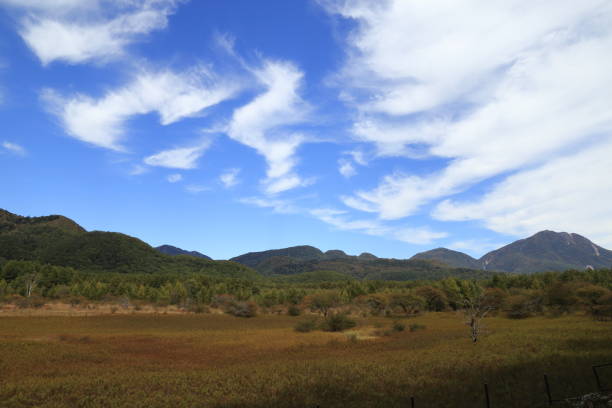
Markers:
point(186, 360)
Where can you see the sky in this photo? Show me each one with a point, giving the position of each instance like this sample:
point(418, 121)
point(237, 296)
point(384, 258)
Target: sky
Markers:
point(382, 126)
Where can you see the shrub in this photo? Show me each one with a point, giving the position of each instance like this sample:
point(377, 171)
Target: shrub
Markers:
point(294, 310)
point(305, 326)
point(338, 322)
point(399, 326)
point(243, 309)
point(519, 307)
point(415, 327)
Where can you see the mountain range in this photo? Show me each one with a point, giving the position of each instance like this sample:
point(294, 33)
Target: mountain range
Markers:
point(58, 240)
point(544, 251)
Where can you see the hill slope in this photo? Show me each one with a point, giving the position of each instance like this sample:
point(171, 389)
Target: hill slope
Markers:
point(172, 250)
point(60, 241)
point(449, 257)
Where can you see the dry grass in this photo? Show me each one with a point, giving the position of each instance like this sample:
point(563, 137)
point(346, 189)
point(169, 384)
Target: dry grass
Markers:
point(149, 360)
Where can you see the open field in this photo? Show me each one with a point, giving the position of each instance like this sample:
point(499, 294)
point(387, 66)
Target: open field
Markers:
point(149, 360)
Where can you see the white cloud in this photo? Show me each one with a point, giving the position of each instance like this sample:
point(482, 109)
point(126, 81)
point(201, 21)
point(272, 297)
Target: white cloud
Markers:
point(263, 123)
point(346, 168)
point(277, 205)
point(174, 178)
point(137, 170)
point(83, 31)
point(185, 158)
point(172, 95)
point(14, 148)
point(229, 178)
point(475, 247)
point(55, 6)
point(459, 82)
point(571, 193)
point(338, 219)
point(196, 188)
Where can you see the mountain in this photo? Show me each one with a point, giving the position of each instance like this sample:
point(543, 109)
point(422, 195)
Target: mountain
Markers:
point(307, 262)
point(544, 251)
point(10, 222)
point(172, 250)
point(449, 257)
point(302, 252)
point(57, 240)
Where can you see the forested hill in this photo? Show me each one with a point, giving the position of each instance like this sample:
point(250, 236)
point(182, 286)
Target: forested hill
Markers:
point(57, 240)
point(172, 250)
point(304, 260)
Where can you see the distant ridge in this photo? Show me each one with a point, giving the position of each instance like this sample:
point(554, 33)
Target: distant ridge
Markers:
point(544, 251)
point(172, 250)
point(449, 257)
point(57, 240)
point(304, 262)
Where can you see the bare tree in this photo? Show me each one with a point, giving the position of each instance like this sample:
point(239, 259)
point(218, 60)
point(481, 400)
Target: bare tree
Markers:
point(476, 307)
point(31, 281)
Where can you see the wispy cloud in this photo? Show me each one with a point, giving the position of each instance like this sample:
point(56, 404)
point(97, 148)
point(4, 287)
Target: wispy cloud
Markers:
point(185, 158)
point(196, 188)
point(570, 193)
point(229, 178)
point(174, 178)
point(137, 170)
point(413, 235)
point(89, 30)
point(14, 148)
point(474, 246)
point(264, 123)
point(346, 168)
point(174, 96)
point(277, 205)
point(465, 87)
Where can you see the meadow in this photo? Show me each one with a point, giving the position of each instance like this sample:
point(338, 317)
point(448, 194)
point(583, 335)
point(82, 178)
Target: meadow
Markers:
point(215, 360)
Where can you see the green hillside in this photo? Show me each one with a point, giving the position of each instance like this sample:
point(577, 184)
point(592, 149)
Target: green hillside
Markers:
point(60, 241)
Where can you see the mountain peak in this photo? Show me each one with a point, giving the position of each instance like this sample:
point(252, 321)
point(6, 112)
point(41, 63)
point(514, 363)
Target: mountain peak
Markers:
point(547, 250)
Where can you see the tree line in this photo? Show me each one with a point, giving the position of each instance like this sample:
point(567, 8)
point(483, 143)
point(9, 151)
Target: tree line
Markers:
point(31, 284)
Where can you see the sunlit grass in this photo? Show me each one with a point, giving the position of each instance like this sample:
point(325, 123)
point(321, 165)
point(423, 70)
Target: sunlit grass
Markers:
point(223, 361)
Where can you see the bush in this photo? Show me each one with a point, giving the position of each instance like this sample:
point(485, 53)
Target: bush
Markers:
point(243, 309)
point(399, 326)
point(415, 327)
point(294, 310)
point(519, 307)
point(338, 322)
point(305, 326)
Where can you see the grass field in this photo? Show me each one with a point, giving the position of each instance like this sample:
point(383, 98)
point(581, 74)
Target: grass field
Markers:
point(207, 360)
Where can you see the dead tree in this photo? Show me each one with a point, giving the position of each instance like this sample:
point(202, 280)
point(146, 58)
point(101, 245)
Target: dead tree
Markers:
point(476, 309)
point(30, 281)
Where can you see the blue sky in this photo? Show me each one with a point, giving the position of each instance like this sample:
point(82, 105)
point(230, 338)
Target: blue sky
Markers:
point(388, 127)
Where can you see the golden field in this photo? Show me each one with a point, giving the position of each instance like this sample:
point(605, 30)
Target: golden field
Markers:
point(209, 360)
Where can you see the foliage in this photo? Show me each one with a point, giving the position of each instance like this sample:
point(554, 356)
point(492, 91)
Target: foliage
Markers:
point(399, 326)
point(338, 322)
point(306, 325)
point(323, 302)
